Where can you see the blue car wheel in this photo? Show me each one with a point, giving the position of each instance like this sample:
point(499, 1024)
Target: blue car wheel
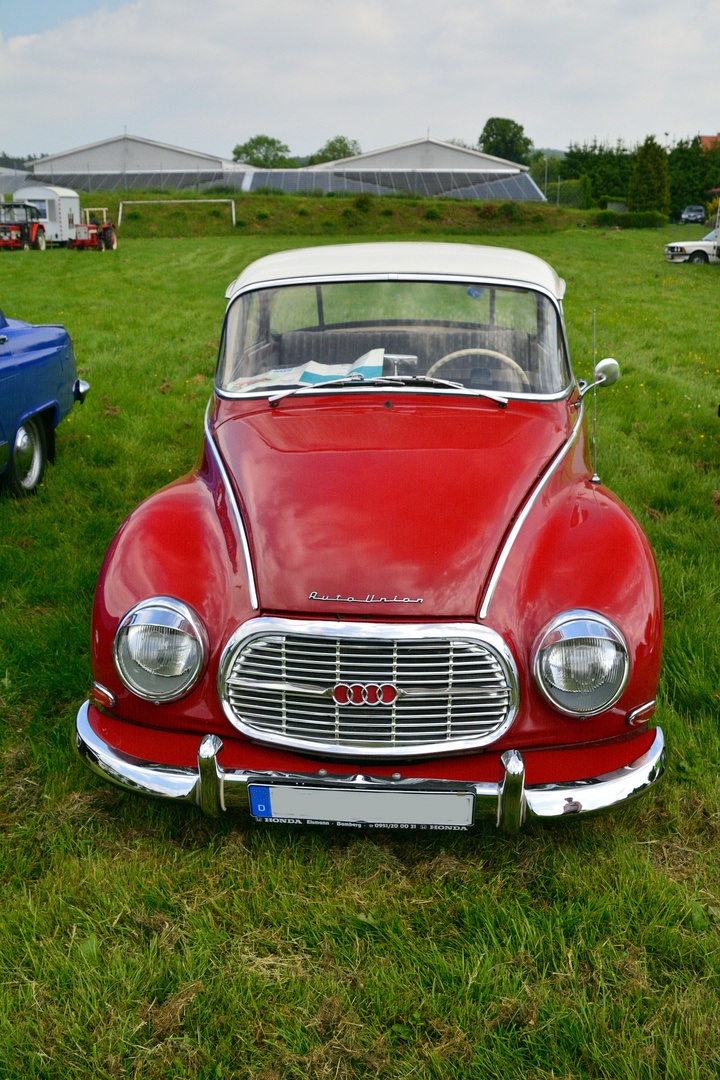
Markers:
point(27, 463)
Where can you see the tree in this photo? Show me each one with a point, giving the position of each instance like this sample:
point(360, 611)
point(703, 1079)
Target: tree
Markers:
point(547, 166)
point(690, 174)
point(335, 149)
point(8, 161)
point(505, 139)
point(609, 168)
point(264, 152)
point(650, 184)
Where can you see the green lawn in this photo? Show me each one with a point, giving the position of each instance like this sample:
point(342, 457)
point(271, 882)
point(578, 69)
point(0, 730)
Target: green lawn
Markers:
point(142, 941)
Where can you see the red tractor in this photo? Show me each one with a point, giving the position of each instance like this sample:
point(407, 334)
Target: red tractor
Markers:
point(93, 233)
point(20, 227)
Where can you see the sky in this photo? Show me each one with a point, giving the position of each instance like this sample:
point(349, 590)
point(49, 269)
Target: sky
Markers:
point(208, 75)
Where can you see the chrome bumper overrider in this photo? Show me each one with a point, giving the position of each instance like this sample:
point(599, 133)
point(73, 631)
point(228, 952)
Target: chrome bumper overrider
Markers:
point(510, 801)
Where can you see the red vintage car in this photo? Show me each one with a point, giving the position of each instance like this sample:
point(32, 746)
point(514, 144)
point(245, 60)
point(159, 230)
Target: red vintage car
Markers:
point(393, 592)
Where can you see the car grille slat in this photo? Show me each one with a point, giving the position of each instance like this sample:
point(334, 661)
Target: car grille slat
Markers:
point(452, 692)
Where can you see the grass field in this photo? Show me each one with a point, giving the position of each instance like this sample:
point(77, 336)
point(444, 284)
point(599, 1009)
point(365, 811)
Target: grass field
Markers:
point(143, 941)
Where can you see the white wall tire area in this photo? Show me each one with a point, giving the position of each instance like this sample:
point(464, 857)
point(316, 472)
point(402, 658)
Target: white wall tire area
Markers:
point(29, 457)
point(40, 242)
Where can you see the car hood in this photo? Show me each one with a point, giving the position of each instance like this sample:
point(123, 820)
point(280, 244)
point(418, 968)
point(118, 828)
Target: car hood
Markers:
point(382, 506)
point(692, 244)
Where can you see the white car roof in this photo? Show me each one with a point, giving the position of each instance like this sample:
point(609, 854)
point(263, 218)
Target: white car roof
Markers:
point(408, 258)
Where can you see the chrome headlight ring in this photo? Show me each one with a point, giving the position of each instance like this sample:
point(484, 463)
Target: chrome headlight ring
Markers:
point(581, 663)
point(160, 649)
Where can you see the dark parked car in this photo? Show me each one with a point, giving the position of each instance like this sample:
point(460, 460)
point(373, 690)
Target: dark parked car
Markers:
point(38, 388)
point(693, 215)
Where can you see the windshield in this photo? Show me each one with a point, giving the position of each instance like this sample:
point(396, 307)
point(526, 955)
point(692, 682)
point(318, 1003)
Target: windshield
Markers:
point(483, 337)
point(17, 213)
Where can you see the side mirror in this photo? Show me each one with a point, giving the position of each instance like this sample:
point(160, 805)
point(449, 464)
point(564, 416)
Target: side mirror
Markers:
point(607, 372)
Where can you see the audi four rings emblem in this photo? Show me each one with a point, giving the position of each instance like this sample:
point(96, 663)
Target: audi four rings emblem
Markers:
point(365, 693)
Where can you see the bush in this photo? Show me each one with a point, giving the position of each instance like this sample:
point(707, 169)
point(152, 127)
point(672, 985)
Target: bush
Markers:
point(221, 189)
point(638, 219)
point(510, 211)
point(362, 203)
point(432, 214)
point(487, 210)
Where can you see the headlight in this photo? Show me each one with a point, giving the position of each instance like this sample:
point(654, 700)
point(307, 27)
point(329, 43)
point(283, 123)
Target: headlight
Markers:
point(160, 649)
point(581, 663)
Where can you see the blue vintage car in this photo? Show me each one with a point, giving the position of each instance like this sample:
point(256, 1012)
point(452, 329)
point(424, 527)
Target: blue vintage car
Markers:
point(38, 388)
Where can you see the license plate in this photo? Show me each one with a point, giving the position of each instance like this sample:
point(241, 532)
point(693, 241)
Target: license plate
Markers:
point(288, 804)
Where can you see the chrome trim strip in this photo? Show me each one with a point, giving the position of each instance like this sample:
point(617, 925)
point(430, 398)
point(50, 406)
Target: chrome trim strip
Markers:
point(327, 691)
point(522, 517)
point(364, 632)
point(445, 390)
point(234, 510)
point(228, 787)
point(330, 279)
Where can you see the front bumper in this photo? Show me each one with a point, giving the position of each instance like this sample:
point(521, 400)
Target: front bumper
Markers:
point(510, 801)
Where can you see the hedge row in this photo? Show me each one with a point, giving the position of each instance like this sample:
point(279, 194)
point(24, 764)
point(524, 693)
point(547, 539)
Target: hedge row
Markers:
point(638, 219)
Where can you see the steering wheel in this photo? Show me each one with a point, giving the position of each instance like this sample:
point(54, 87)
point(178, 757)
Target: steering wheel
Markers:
point(481, 352)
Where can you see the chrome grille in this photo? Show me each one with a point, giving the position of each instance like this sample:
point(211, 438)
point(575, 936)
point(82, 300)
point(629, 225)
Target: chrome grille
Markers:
point(456, 685)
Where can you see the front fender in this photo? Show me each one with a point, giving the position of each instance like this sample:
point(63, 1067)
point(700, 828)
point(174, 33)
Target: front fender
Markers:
point(180, 543)
point(580, 547)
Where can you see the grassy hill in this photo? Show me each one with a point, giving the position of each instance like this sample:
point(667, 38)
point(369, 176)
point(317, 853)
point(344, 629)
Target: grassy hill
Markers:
point(270, 214)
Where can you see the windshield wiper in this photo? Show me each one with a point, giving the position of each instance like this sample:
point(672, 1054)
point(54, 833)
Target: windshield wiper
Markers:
point(346, 380)
point(387, 380)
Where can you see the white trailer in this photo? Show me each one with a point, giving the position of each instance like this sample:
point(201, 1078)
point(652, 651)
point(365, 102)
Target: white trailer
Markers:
point(59, 210)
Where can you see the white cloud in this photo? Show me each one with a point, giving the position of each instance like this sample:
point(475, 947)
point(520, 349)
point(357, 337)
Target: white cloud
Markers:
point(207, 76)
